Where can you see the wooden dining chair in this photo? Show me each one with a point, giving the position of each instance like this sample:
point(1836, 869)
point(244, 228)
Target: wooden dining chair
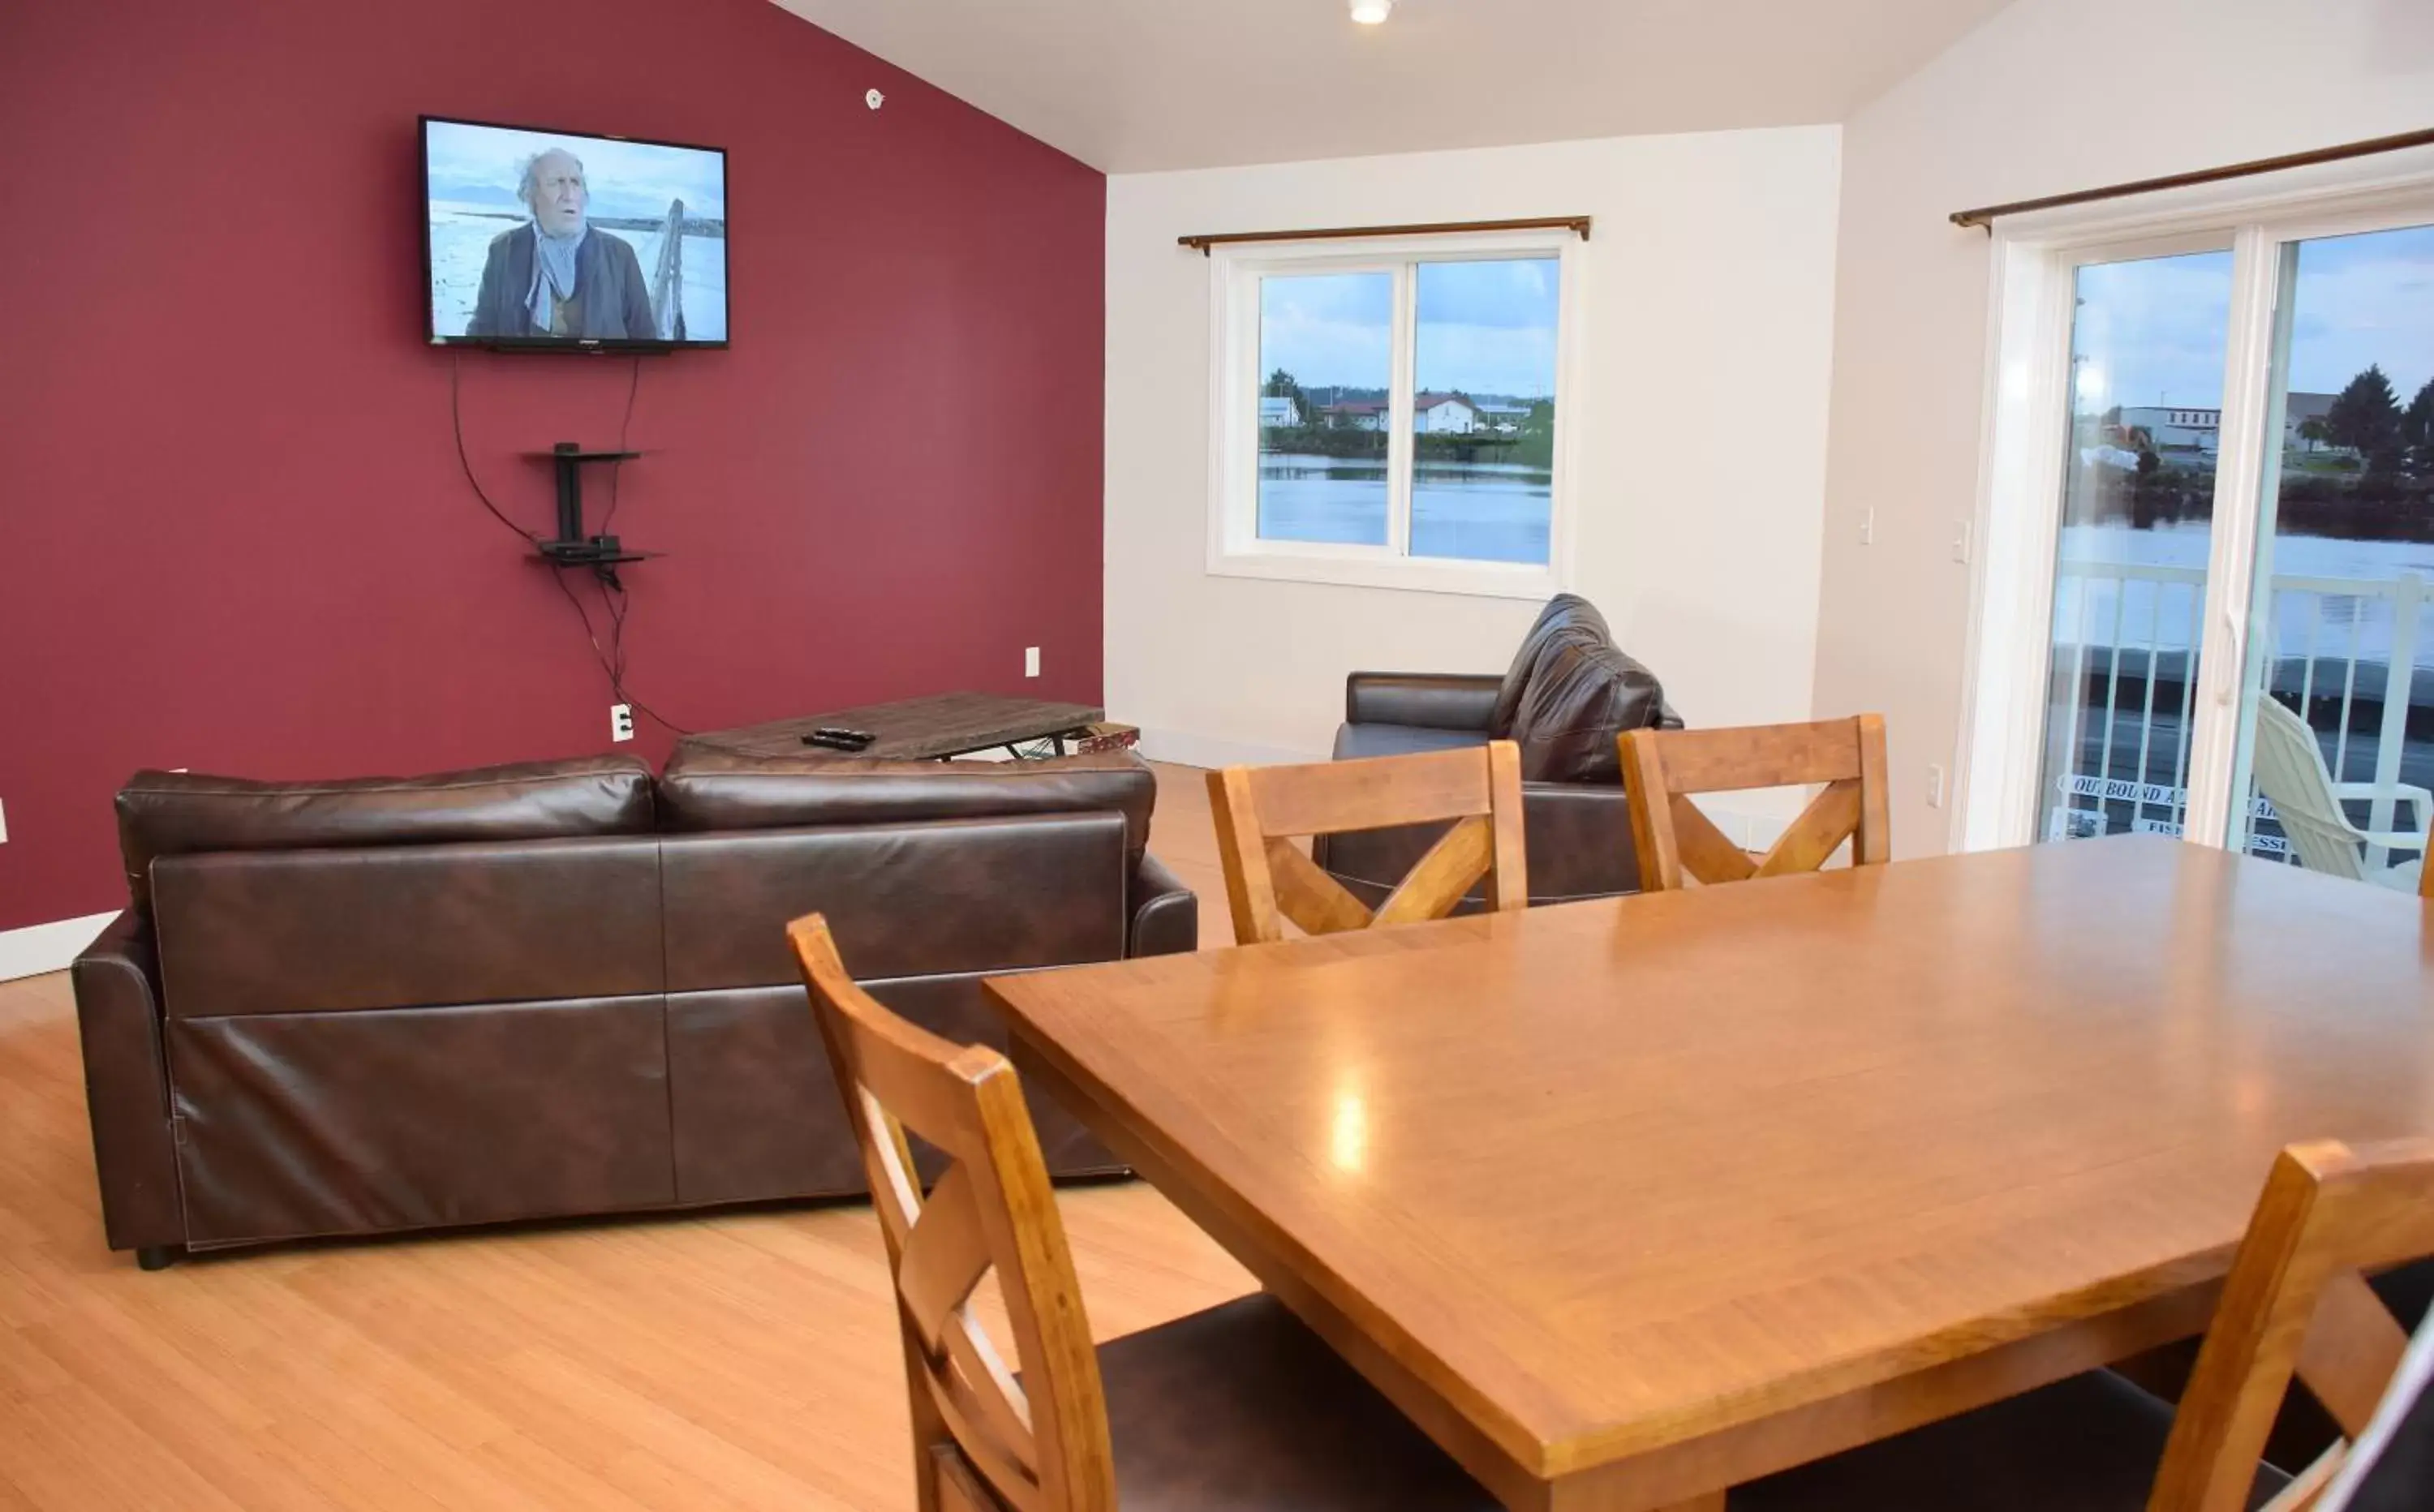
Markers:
point(1236, 1407)
point(2296, 1303)
point(1260, 810)
point(1661, 769)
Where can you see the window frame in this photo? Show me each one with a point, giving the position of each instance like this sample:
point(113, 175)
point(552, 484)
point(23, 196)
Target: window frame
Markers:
point(1235, 547)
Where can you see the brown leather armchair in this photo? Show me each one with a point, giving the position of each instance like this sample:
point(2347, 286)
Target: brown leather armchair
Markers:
point(393, 1004)
point(1568, 697)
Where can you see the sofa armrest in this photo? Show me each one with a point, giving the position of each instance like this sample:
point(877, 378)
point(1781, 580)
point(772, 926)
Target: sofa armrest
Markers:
point(117, 984)
point(1165, 913)
point(1434, 701)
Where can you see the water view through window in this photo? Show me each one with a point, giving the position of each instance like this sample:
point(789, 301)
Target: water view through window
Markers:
point(1326, 347)
point(1481, 406)
point(1483, 421)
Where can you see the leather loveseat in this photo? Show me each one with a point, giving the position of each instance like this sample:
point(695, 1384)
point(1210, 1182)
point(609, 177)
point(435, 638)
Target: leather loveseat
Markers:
point(1566, 701)
point(367, 1007)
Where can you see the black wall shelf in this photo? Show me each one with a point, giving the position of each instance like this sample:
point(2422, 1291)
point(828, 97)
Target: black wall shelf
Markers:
point(573, 547)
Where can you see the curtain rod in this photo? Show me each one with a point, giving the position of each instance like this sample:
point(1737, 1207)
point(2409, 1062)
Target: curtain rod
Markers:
point(1986, 216)
point(1578, 224)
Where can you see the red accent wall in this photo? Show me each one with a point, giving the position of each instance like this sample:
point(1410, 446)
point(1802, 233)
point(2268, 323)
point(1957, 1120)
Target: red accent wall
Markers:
point(233, 535)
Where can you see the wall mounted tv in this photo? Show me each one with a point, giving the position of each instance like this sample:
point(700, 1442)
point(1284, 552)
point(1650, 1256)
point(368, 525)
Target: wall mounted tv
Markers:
point(552, 241)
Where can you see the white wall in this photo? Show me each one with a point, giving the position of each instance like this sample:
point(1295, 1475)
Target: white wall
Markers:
point(2048, 96)
point(1707, 291)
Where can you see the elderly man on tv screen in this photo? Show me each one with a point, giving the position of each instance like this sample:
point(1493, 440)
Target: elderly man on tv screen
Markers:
point(554, 276)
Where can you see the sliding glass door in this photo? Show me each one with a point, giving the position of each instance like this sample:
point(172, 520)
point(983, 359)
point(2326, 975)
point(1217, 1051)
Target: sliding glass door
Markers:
point(2147, 355)
point(2336, 709)
point(2240, 641)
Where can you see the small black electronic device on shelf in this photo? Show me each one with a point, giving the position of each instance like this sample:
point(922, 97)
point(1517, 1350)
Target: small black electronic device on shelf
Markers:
point(573, 547)
point(836, 738)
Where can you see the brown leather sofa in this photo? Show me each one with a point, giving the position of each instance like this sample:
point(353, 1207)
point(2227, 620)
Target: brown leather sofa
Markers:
point(1568, 696)
point(367, 1007)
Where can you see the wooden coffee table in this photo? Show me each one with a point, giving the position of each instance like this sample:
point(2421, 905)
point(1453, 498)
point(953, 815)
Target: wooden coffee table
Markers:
point(914, 729)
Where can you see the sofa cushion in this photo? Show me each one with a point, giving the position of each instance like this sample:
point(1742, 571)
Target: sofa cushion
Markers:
point(1582, 696)
point(1565, 614)
point(353, 929)
point(1355, 741)
point(904, 900)
point(179, 813)
point(295, 1124)
point(703, 789)
point(1432, 700)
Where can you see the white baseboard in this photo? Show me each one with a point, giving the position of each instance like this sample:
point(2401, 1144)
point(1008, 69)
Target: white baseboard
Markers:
point(1187, 749)
point(47, 947)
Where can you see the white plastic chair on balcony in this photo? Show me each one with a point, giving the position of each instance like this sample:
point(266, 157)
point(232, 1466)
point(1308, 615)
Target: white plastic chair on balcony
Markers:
point(2290, 773)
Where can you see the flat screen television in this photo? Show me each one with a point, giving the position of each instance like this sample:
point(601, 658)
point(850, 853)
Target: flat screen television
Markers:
point(554, 241)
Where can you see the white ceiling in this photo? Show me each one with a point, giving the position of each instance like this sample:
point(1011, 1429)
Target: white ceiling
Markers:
point(1132, 85)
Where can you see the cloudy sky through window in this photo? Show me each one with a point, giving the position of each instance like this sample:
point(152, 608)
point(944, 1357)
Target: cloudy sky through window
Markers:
point(2152, 332)
point(1484, 328)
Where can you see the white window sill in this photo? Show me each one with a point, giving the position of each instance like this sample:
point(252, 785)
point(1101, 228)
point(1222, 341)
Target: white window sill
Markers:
point(1493, 580)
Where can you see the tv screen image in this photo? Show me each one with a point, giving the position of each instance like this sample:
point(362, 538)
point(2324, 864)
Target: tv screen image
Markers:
point(550, 239)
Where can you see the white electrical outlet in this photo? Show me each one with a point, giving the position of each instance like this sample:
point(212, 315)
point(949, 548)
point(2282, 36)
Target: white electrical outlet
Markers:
point(620, 721)
point(1031, 661)
point(1935, 787)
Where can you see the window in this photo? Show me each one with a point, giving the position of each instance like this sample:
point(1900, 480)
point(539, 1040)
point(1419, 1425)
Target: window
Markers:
point(1389, 413)
point(2213, 622)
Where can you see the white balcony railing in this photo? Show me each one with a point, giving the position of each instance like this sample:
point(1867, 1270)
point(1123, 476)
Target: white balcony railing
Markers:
point(2136, 627)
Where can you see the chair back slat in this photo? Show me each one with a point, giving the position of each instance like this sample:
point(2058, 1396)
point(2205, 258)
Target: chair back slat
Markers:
point(2296, 1303)
point(1306, 895)
point(1270, 881)
point(1761, 756)
point(981, 1436)
point(942, 1258)
point(1323, 797)
point(959, 1488)
point(1663, 769)
point(1700, 848)
point(2350, 1351)
point(986, 1406)
point(1812, 841)
point(1439, 879)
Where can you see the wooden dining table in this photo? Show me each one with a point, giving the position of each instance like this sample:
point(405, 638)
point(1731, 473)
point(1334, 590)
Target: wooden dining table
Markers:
point(1628, 1202)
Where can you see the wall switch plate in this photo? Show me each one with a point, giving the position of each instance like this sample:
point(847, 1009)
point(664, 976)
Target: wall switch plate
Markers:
point(620, 721)
point(1962, 531)
point(1935, 787)
point(4, 827)
point(1868, 528)
point(1031, 661)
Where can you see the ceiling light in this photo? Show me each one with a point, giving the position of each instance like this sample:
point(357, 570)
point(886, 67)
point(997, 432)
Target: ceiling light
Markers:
point(1370, 12)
